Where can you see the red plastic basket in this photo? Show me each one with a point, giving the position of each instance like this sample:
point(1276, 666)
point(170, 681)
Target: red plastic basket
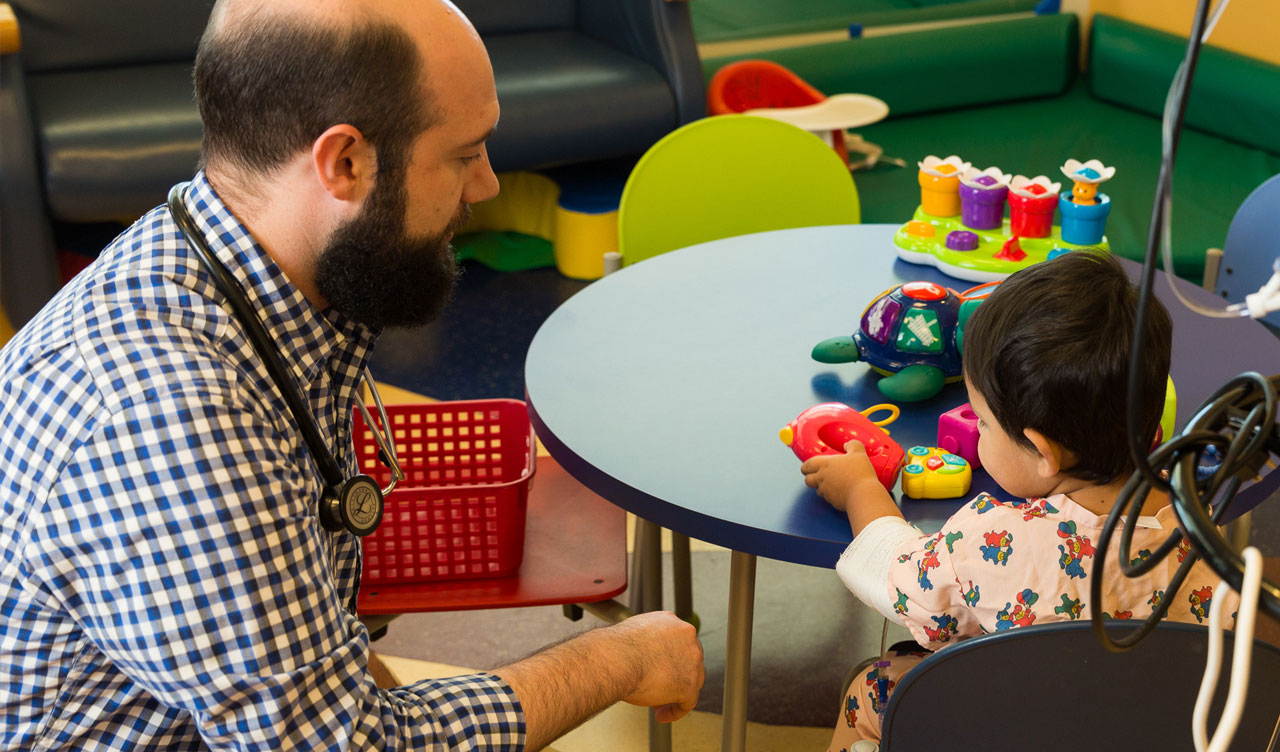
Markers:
point(460, 511)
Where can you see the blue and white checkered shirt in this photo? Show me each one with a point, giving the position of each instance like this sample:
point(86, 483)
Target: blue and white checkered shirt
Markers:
point(166, 583)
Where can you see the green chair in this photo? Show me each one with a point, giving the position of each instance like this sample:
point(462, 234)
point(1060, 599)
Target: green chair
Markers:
point(715, 178)
point(731, 175)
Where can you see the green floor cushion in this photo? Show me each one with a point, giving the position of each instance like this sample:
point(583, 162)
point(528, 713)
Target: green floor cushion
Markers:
point(1033, 137)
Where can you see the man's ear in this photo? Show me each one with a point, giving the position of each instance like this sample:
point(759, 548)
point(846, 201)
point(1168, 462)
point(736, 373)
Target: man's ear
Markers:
point(1053, 457)
point(344, 162)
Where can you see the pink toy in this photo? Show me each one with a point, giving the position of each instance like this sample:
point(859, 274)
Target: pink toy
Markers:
point(958, 433)
point(826, 428)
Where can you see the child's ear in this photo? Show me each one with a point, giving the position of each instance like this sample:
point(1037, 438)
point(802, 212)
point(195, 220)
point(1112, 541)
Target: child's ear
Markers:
point(1053, 457)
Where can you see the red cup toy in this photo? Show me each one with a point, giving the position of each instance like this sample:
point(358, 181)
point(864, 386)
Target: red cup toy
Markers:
point(826, 428)
point(1032, 203)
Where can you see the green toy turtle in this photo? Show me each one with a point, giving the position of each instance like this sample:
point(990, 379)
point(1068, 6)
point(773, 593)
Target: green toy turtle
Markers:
point(912, 334)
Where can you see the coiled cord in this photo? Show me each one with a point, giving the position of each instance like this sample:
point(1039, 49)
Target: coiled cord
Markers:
point(1239, 420)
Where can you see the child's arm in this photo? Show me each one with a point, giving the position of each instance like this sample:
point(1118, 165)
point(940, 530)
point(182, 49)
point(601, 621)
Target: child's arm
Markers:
point(848, 483)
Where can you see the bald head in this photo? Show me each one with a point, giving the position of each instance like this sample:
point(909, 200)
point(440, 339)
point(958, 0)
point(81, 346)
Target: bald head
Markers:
point(272, 75)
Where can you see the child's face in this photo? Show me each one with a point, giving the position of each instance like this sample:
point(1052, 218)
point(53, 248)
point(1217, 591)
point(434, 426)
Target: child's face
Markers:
point(1012, 465)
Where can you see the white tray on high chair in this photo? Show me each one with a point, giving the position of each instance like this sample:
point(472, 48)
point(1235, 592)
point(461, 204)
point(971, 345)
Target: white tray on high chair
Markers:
point(835, 113)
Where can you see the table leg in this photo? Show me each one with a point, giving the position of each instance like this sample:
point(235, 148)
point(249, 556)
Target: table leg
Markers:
point(650, 586)
point(681, 576)
point(737, 659)
point(1238, 531)
point(635, 594)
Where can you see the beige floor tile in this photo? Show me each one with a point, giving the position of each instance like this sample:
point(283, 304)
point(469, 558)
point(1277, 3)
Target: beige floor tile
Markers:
point(625, 728)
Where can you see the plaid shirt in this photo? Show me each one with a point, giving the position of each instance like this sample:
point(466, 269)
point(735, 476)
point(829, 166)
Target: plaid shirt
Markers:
point(165, 582)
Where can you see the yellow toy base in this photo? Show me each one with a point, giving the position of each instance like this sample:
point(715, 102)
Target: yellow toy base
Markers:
point(931, 473)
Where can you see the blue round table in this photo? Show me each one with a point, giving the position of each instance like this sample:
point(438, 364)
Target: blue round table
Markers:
point(662, 388)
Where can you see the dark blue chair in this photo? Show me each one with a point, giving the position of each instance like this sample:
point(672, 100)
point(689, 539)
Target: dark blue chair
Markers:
point(1056, 688)
point(1251, 247)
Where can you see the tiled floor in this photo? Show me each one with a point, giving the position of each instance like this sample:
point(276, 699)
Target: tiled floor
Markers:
point(624, 728)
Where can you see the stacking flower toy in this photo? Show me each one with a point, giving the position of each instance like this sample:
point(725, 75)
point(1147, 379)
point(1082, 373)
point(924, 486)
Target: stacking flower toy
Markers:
point(940, 183)
point(1084, 209)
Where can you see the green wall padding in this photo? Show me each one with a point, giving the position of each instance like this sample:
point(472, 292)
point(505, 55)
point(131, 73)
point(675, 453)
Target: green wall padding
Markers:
point(721, 20)
point(940, 69)
point(1233, 96)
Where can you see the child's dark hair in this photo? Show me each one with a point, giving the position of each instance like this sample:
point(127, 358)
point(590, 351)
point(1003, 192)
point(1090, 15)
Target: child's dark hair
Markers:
point(1049, 350)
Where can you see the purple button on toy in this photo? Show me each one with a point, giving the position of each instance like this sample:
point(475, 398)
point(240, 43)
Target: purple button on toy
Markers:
point(962, 240)
point(877, 320)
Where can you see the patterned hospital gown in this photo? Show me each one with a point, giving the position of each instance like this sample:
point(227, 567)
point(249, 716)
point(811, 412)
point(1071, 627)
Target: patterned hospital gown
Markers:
point(997, 565)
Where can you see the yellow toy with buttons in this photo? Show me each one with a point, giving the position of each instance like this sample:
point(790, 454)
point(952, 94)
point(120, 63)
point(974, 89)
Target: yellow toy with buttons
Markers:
point(932, 473)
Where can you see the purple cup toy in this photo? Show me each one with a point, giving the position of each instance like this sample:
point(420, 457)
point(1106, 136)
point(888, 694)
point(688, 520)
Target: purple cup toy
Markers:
point(982, 198)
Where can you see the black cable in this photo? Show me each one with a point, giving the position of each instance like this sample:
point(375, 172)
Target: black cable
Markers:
point(1138, 442)
point(1192, 514)
point(1239, 420)
point(1130, 503)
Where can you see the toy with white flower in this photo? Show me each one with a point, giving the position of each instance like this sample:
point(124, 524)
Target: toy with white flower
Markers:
point(961, 228)
point(982, 197)
point(1086, 176)
point(940, 183)
point(1032, 202)
point(1084, 209)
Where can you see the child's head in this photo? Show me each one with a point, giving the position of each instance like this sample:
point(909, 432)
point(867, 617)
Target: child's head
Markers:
point(1048, 353)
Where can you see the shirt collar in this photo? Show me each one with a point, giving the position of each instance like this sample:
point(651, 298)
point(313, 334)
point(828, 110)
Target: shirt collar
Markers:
point(306, 337)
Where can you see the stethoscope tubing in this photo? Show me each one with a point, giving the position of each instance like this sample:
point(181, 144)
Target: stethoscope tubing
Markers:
point(261, 343)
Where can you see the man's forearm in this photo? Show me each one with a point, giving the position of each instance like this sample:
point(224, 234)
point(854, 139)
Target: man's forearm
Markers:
point(568, 683)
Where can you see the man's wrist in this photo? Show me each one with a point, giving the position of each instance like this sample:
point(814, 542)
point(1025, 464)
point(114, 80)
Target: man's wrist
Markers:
point(624, 644)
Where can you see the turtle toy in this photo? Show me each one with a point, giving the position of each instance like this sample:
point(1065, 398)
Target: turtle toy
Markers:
point(912, 334)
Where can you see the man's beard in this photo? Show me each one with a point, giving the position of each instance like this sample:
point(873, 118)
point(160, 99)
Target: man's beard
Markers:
point(375, 273)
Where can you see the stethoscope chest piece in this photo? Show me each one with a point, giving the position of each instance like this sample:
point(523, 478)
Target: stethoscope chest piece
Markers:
point(355, 506)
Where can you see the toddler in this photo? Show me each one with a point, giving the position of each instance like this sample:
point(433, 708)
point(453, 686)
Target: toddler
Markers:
point(1046, 363)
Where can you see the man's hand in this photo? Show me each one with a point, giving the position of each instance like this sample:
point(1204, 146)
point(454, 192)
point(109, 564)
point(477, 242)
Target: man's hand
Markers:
point(848, 482)
point(671, 660)
point(652, 659)
point(839, 477)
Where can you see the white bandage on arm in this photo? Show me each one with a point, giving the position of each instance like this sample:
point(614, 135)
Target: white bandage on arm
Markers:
point(864, 565)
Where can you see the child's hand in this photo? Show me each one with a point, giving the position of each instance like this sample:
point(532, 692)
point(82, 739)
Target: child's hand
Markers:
point(841, 477)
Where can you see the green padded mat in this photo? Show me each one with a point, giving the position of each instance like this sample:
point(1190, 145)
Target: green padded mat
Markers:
point(505, 250)
point(721, 20)
point(939, 69)
point(1212, 176)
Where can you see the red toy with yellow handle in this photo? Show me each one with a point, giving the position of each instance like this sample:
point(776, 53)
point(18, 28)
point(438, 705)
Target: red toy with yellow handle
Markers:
point(826, 428)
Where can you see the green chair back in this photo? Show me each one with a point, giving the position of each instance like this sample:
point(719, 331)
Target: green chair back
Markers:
point(731, 175)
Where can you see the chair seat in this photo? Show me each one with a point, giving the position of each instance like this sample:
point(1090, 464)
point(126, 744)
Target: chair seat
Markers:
point(574, 552)
point(113, 140)
point(566, 97)
point(1055, 687)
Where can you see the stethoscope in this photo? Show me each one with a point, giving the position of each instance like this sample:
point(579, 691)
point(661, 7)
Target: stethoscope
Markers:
point(355, 503)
